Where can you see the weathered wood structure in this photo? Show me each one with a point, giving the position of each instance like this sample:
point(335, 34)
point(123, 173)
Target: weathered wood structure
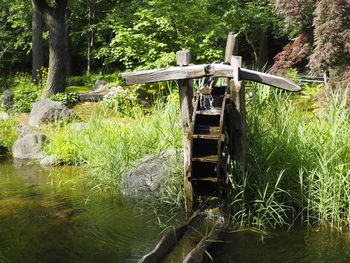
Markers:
point(213, 119)
point(214, 129)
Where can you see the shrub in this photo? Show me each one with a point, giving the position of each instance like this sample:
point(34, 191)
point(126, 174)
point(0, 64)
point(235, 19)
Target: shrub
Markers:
point(8, 134)
point(120, 99)
point(67, 98)
point(25, 93)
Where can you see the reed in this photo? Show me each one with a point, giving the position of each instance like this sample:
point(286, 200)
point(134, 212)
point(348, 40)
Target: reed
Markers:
point(298, 163)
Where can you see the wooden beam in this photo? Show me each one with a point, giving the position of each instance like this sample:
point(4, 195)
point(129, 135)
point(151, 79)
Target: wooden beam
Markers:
point(187, 72)
point(239, 127)
point(271, 80)
point(231, 47)
point(186, 97)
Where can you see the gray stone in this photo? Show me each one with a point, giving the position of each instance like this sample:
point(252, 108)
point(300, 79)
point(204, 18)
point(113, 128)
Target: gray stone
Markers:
point(29, 147)
point(151, 176)
point(49, 111)
point(24, 130)
point(4, 116)
point(100, 85)
point(51, 160)
point(7, 99)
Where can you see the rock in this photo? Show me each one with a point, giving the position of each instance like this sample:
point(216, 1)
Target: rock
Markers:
point(149, 178)
point(51, 160)
point(29, 147)
point(24, 130)
point(49, 111)
point(4, 116)
point(100, 85)
point(7, 99)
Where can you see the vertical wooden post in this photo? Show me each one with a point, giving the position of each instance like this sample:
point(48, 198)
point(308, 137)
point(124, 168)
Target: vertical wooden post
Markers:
point(239, 139)
point(231, 47)
point(183, 58)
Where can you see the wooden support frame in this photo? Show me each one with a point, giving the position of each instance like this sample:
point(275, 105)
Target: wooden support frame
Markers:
point(183, 58)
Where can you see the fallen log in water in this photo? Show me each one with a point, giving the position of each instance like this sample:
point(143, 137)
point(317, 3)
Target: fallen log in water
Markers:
point(167, 242)
point(172, 238)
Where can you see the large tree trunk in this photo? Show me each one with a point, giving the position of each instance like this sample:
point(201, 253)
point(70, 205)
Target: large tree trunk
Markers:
point(37, 44)
point(55, 18)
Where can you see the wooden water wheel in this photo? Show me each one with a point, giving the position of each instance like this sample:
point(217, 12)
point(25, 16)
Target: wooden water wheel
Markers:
point(210, 144)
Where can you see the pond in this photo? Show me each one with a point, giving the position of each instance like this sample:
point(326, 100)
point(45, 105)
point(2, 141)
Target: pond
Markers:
point(46, 217)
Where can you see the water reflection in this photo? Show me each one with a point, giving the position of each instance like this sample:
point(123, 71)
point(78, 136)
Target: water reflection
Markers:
point(290, 247)
point(44, 220)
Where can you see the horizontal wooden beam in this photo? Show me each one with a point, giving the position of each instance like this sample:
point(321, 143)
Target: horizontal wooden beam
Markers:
point(175, 73)
point(268, 79)
point(200, 71)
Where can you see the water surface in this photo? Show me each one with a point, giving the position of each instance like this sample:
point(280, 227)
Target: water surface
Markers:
point(46, 217)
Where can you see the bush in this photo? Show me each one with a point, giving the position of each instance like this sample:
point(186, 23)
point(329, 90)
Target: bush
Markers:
point(120, 99)
point(25, 93)
point(8, 134)
point(67, 98)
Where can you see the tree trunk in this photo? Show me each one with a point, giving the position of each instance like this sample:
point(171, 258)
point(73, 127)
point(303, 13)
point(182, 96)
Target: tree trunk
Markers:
point(58, 56)
point(68, 48)
point(37, 44)
point(91, 15)
point(263, 51)
point(55, 18)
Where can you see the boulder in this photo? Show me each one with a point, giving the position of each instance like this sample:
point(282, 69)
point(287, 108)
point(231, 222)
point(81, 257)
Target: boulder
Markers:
point(100, 85)
point(7, 99)
point(51, 160)
point(24, 130)
point(49, 111)
point(153, 173)
point(29, 147)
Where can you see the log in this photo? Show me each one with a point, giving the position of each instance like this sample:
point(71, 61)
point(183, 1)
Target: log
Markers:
point(175, 73)
point(271, 80)
point(199, 71)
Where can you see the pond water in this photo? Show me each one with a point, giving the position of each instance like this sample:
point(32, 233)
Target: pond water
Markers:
point(46, 217)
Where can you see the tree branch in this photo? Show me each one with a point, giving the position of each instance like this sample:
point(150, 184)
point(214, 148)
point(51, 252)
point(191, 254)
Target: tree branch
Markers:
point(43, 8)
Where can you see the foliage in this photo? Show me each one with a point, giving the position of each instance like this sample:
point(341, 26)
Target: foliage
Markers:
point(8, 134)
point(322, 31)
point(25, 93)
point(297, 164)
point(111, 144)
point(67, 98)
point(121, 99)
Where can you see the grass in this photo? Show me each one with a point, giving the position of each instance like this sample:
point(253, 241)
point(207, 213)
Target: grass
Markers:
point(298, 156)
point(298, 163)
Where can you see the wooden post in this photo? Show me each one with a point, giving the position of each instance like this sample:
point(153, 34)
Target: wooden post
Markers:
point(239, 134)
point(186, 95)
point(231, 47)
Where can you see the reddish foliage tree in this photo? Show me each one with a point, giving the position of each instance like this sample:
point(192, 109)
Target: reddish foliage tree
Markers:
point(322, 29)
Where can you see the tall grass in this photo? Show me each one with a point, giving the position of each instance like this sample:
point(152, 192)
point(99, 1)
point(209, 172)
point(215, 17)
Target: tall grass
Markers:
point(298, 159)
point(110, 143)
point(298, 163)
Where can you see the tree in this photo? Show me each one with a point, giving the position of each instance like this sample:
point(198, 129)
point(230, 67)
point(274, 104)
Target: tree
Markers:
point(322, 33)
point(37, 44)
point(55, 18)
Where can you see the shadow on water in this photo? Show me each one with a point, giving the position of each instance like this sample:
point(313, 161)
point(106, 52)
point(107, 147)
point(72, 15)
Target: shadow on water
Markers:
point(45, 219)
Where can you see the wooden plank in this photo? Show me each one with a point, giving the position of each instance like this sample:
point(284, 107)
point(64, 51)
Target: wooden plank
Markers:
point(231, 45)
point(174, 73)
point(186, 97)
point(239, 129)
point(271, 80)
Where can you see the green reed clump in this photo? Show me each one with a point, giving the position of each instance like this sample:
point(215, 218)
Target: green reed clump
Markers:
point(110, 143)
point(298, 163)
